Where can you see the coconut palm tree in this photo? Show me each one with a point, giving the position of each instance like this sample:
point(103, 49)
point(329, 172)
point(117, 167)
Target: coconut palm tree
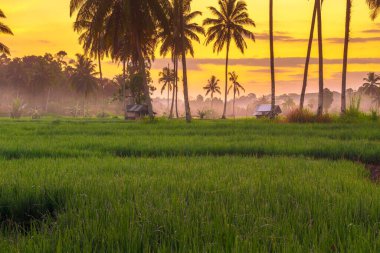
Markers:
point(345, 55)
point(272, 71)
point(320, 52)
point(212, 87)
point(167, 77)
point(229, 24)
point(374, 6)
point(83, 78)
point(4, 30)
point(140, 19)
point(171, 39)
point(236, 87)
point(307, 63)
point(371, 84)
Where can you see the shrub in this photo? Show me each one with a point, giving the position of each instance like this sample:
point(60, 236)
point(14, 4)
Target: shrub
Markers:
point(300, 116)
point(35, 114)
point(17, 108)
point(305, 116)
point(374, 115)
point(103, 115)
point(205, 114)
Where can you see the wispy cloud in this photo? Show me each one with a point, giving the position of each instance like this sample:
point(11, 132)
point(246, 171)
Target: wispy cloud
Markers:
point(354, 40)
point(280, 36)
point(196, 64)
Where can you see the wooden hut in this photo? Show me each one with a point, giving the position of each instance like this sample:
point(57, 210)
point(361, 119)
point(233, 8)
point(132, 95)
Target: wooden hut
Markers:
point(265, 110)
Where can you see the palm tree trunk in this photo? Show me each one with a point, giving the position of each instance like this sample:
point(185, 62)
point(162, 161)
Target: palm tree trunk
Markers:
point(123, 89)
point(184, 67)
point(101, 78)
point(168, 98)
point(306, 72)
point(345, 55)
point(226, 79)
point(173, 94)
point(234, 104)
point(273, 86)
point(176, 89)
point(212, 100)
point(142, 66)
point(320, 49)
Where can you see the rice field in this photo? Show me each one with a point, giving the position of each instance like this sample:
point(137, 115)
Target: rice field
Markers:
point(211, 186)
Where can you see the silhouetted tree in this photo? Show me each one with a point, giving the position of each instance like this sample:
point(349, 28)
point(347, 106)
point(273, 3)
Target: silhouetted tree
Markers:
point(4, 30)
point(212, 87)
point(236, 87)
point(229, 25)
point(83, 78)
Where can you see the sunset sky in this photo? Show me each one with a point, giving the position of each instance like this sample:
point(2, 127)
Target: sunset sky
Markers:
point(45, 26)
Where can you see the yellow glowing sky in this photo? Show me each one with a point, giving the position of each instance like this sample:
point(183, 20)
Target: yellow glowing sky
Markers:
point(45, 26)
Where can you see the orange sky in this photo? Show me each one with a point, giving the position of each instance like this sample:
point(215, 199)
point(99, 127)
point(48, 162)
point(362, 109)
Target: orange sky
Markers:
point(45, 26)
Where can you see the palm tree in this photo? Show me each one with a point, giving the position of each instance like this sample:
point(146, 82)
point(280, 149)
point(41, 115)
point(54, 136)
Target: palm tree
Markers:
point(140, 19)
point(236, 86)
point(4, 30)
point(345, 55)
point(171, 39)
point(212, 87)
point(320, 50)
point(371, 85)
point(83, 78)
point(374, 5)
point(167, 77)
point(271, 39)
point(229, 24)
point(306, 70)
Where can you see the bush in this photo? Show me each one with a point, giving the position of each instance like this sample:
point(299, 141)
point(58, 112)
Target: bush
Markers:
point(374, 115)
point(17, 108)
point(103, 115)
point(305, 116)
point(35, 114)
point(206, 114)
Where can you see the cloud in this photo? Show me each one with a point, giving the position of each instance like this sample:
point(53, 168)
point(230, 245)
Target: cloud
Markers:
point(195, 64)
point(354, 40)
point(280, 36)
point(45, 42)
point(372, 31)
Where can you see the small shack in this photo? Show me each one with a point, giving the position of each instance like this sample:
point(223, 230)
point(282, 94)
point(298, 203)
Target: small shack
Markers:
point(265, 110)
point(136, 112)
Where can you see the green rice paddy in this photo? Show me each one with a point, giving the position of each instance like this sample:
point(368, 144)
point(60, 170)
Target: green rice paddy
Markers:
point(211, 186)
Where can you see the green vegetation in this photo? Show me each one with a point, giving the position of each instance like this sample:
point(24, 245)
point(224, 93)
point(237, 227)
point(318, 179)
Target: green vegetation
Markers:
point(214, 186)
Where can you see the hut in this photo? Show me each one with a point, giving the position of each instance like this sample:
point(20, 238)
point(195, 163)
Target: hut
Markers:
point(136, 112)
point(265, 110)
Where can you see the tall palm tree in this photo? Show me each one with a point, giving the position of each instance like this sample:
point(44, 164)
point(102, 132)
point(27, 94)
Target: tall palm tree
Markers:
point(184, 64)
point(229, 24)
point(212, 87)
point(167, 77)
point(171, 39)
point(140, 19)
point(345, 55)
point(4, 30)
point(307, 63)
point(236, 87)
point(374, 5)
point(83, 78)
point(272, 71)
point(320, 50)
